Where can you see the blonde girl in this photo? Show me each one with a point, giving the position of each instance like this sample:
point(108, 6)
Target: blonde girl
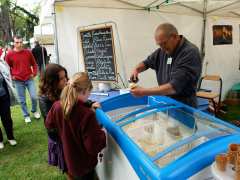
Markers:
point(80, 133)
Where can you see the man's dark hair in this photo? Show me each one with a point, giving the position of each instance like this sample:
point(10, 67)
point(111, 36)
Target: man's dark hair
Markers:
point(17, 37)
point(49, 81)
point(36, 43)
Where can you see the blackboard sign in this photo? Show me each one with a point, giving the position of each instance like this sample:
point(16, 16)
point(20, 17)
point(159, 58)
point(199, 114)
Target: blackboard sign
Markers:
point(98, 53)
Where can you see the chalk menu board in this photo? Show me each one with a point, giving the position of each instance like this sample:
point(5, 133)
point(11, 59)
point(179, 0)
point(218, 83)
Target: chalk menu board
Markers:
point(98, 53)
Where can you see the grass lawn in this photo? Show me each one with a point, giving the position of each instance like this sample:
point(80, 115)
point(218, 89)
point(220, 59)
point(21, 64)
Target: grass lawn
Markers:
point(27, 160)
point(232, 115)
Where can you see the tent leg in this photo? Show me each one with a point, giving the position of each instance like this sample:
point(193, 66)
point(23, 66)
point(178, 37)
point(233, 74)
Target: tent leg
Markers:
point(204, 30)
point(55, 34)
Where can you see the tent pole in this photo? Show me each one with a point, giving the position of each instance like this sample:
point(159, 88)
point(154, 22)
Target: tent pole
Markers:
point(230, 4)
point(204, 30)
point(159, 5)
point(178, 3)
point(55, 33)
point(131, 4)
point(193, 9)
point(150, 4)
point(236, 14)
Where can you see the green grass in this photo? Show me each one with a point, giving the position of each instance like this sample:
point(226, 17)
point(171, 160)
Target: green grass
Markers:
point(27, 160)
point(232, 115)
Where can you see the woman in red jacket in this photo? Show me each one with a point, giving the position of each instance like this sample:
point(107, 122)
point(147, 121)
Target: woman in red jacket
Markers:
point(82, 137)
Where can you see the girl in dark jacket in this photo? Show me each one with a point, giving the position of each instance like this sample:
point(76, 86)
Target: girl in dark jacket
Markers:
point(52, 81)
point(77, 127)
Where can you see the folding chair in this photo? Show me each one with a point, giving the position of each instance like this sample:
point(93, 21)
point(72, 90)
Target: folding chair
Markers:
point(210, 95)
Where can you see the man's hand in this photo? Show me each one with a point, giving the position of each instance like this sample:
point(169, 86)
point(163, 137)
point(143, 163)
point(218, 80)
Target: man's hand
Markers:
point(134, 76)
point(138, 91)
point(138, 69)
point(165, 89)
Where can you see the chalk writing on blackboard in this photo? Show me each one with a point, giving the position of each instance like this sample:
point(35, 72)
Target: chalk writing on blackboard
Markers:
point(98, 53)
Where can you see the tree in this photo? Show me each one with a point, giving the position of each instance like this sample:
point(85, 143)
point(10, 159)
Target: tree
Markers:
point(16, 20)
point(5, 25)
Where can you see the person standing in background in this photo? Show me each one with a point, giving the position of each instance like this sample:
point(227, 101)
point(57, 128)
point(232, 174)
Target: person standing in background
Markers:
point(40, 55)
point(5, 50)
point(23, 69)
point(1, 50)
point(7, 98)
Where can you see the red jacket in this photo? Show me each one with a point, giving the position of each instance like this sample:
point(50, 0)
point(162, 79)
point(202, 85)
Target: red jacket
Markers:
point(81, 136)
point(22, 64)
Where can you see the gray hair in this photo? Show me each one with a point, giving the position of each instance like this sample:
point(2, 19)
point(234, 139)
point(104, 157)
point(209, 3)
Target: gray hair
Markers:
point(168, 29)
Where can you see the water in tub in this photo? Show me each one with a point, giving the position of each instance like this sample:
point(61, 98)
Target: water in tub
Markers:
point(152, 133)
point(159, 130)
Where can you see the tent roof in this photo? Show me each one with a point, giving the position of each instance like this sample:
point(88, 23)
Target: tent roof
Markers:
point(229, 8)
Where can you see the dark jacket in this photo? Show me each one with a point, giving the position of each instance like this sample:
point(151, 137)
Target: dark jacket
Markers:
point(81, 136)
point(38, 52)
point(55, 148)
point(181, 69)
point(45, 105)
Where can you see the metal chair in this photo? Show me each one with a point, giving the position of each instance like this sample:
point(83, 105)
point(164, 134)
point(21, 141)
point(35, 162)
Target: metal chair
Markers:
point(211, 96)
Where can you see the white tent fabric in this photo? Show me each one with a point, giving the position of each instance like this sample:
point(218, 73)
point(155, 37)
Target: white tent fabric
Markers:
point(204, 8)
point(228, 8)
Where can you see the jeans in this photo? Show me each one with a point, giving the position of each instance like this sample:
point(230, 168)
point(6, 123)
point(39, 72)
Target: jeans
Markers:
point(21, 87)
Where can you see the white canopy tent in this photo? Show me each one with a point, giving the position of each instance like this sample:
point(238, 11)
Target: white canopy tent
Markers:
point(204, 8)
point(134, 22)
point(230, 8)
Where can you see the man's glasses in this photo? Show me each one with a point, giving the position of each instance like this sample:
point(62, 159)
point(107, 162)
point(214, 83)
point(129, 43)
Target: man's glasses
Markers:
point(164, 43)
point(18, 42)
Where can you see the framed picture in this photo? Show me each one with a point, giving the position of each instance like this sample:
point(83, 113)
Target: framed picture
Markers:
point(222, 34)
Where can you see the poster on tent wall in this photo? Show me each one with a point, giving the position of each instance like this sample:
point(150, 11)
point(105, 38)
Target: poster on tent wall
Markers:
point(222, 34)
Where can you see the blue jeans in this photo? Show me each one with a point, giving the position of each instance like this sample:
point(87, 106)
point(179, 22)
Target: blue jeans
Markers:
point(21, 87)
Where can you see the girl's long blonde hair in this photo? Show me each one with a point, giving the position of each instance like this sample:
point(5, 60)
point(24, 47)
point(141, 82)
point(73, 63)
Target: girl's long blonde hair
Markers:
point(79, 83)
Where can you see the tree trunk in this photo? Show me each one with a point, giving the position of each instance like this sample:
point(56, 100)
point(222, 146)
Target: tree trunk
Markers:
point(5, 26)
